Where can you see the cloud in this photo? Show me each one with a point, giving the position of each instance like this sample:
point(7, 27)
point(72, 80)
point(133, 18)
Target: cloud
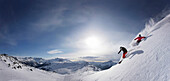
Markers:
point(88, 57)
point(54, 51)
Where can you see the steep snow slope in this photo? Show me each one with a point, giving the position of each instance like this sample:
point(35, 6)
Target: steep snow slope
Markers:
point(150, 61)
point(24, 73)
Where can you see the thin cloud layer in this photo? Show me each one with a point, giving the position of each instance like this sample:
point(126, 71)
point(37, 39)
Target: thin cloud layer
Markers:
point(56, 51)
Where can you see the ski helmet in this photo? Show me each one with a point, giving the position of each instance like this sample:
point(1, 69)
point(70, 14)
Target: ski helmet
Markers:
point(121, 47)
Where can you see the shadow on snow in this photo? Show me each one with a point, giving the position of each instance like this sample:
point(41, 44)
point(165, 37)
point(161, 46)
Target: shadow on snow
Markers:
point(135, 52)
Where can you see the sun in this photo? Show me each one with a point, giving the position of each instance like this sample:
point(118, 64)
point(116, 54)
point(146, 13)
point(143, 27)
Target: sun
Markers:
point(93, 42)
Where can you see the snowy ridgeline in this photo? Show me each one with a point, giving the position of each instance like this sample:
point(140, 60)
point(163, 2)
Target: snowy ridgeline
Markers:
point(12, 70)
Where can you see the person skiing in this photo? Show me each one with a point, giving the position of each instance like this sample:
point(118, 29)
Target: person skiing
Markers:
point(139, 39)
point(124, 53)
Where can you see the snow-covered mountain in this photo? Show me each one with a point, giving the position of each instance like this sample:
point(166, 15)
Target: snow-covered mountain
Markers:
point(30, 61)
point(149, 61)
point(12, 70)
point(103, 65)
point(39, 62)
point(64, 66)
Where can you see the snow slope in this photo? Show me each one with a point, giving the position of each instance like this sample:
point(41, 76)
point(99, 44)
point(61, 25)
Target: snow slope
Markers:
point(150, 61)
point(8, 73)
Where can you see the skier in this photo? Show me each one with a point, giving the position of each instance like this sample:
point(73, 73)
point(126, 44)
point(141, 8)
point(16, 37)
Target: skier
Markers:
point(124, 53)
point(139, 39)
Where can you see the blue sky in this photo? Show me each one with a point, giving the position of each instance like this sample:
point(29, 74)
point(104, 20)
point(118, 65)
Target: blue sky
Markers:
point(72, 28)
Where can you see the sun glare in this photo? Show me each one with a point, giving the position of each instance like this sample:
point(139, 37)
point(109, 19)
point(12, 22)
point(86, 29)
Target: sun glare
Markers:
point(93, 42)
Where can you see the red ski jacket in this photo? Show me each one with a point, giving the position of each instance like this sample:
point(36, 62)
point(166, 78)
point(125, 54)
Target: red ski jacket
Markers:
point(139, 38)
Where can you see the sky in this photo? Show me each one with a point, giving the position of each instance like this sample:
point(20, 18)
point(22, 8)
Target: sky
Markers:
point(75, 29)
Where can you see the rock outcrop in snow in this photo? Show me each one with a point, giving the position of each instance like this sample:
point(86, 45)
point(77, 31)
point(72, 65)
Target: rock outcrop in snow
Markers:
point(12, 70)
